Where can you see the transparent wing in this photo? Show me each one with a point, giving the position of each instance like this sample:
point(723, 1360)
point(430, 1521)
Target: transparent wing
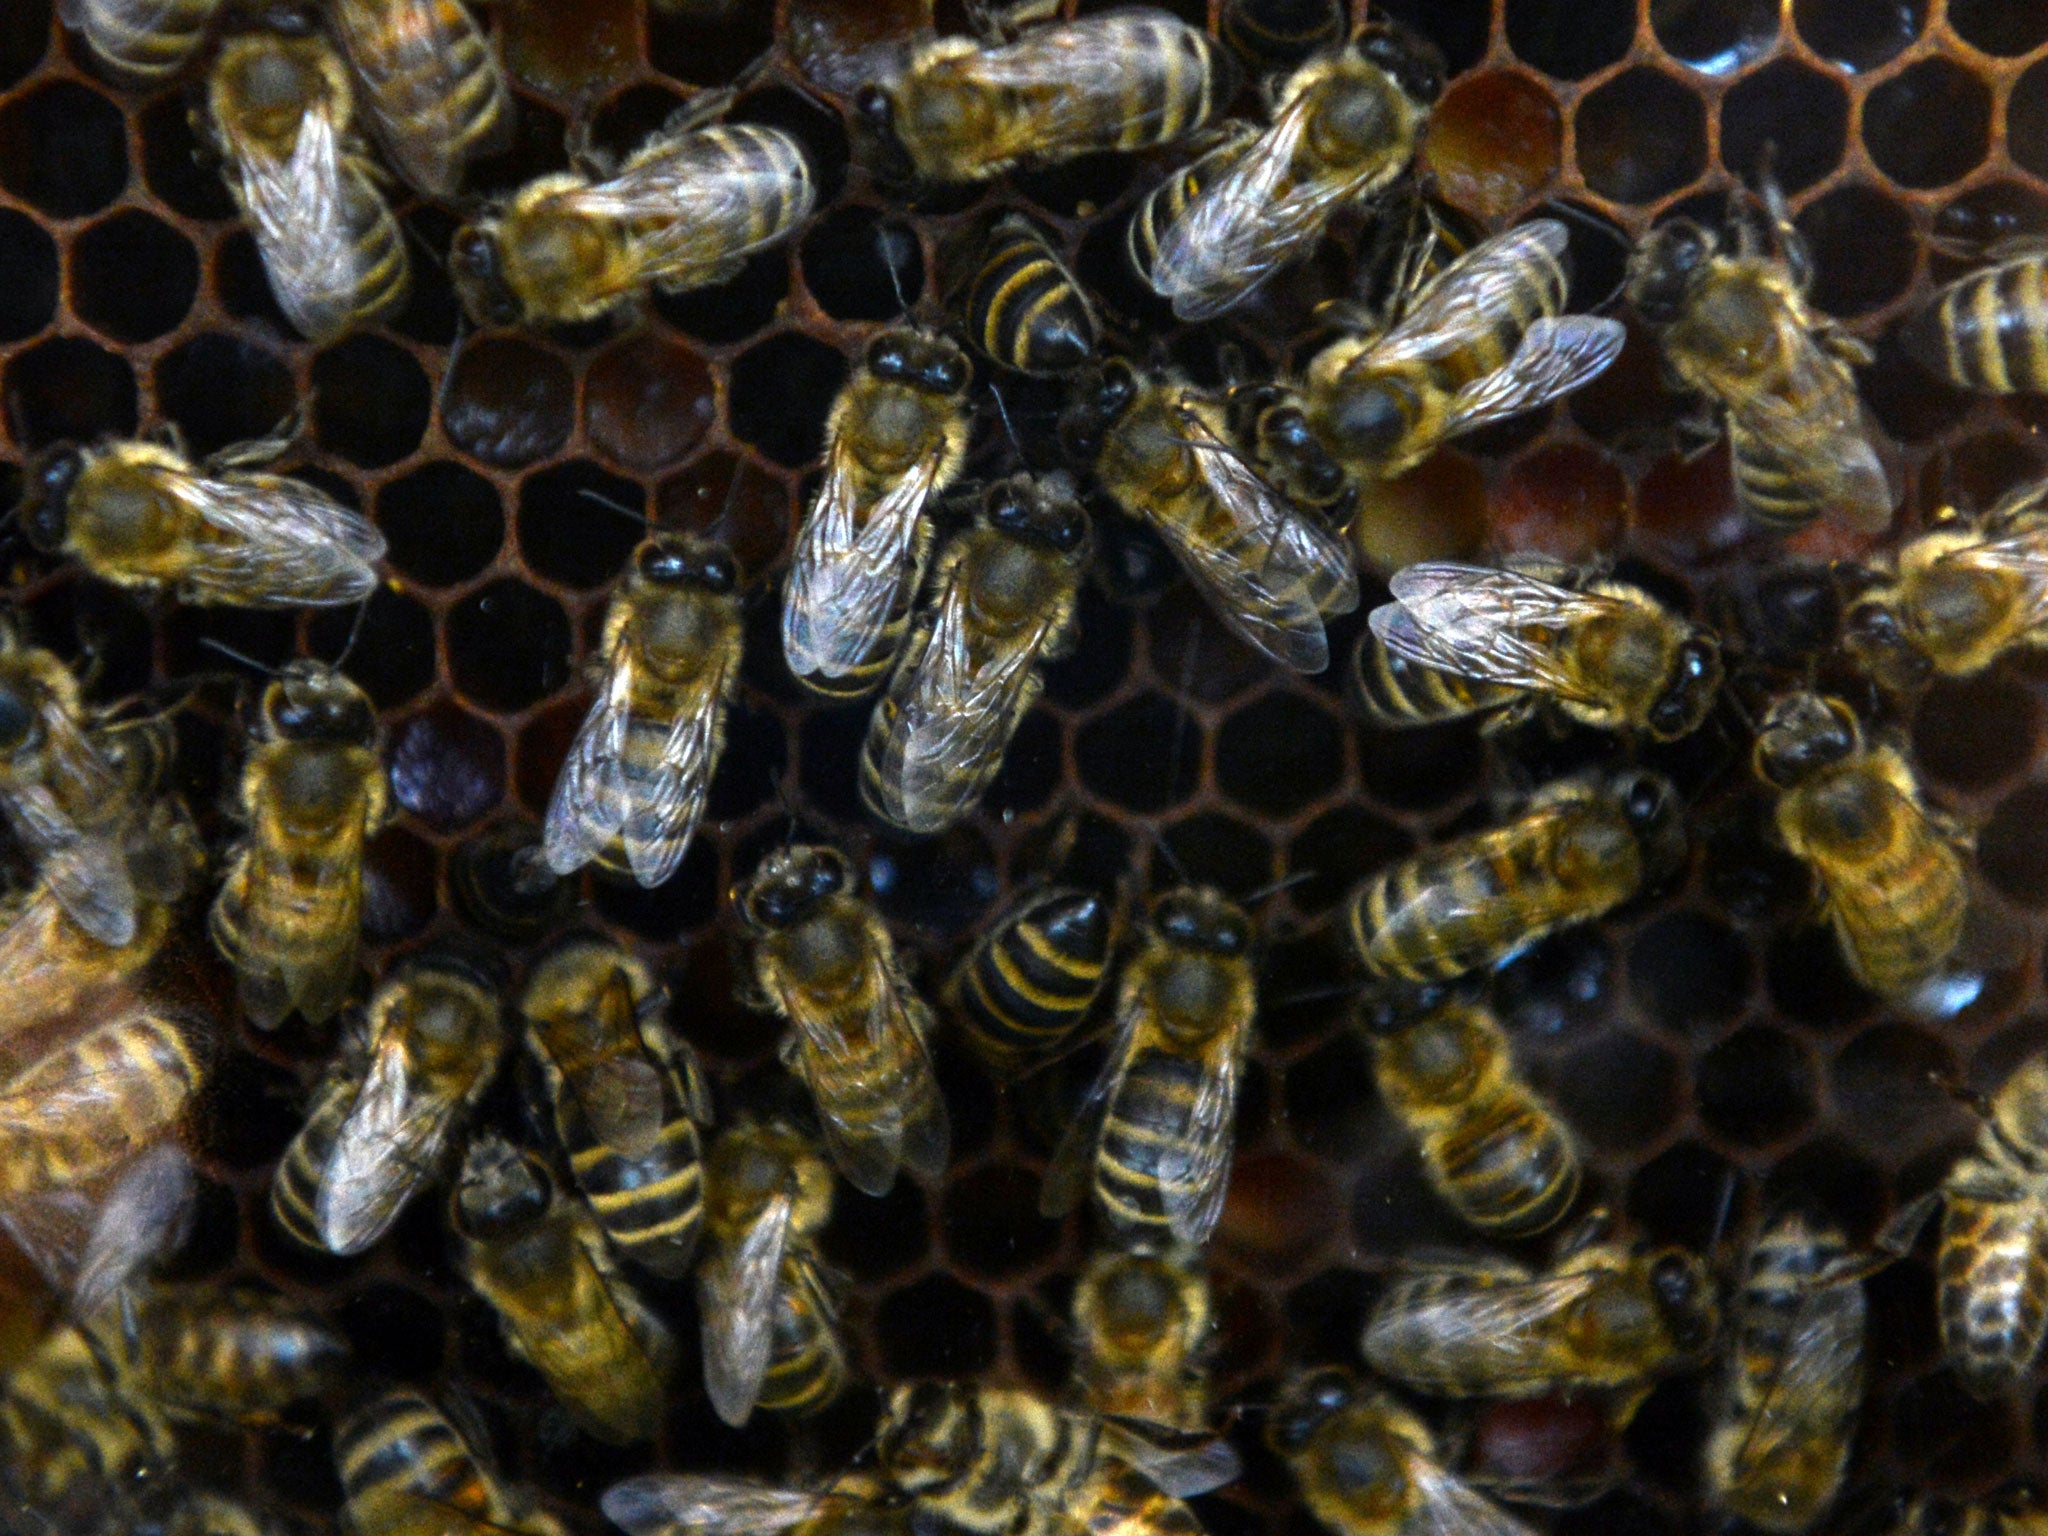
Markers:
point(1069, 71)
point(2023, 553)
point(737, 1291)
point(1822, 1363)
point(383, 1150)
point(1556, 357)
point(413, 64)
point(1194, 1175)
point(843, 580)
point(623, 1100)
point(1442, 1505)
point(1481, 1331)
point(1072, 1170)
point(299, 215)
point(1494, 625)
point(668, 803)
point(663, 1502)
point(87, 874)
point(277, 542)
point(1813, 425)
point(1480, 293)
point(695, 202)
point(590, 802)
point(872, 1127)
point(1174, 1463)
point(141, 1218)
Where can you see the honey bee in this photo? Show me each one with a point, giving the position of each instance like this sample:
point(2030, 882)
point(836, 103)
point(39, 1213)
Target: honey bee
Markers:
point(627, 1098)
point(1024, 309)
point(897, 436)
point(431, 83)
point(543, 1265)
point(409, 1469)
point(281, 109)
point(1154, 1136)
point(769, 1305)
point(1001, 601)
point(967, 110)
point(823, 960)
point(1894, 883)
point(1738, 332)
point(74, 1437)
point(143, 41)
point(289, 914)
point(1581, 847)
point(1032, 977)
point(1780, 1445)
point(684, 211)
point(1161, 450)
point(1161, 208)
point(384, 1118)
point(208, 1514)
point(1604, 1316)
point(1369, 1467)
point(1989, 330)
point(1929, 1515)
point(1497, 1154)
point(198, 1351)
point(142, 514)
point(1955, 599)
point(1279, 34)
point(693, 1504)
point(1461, 639)
point(1142, 1322)
point(1345, 124)
point(643, 759)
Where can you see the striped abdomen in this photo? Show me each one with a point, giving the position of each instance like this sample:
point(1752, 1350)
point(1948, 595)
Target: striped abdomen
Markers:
point(649, 1200)
point(1272, 35)
point(382, 269)
point(1024, 308)
point(145, 40)
point(1536, 289)
point(1146, 1130)
point(807, 1362)
point(88, 1106)
point(1507, 1165)
point(1989, 331)
point(1775, 487)
point(1142, 78)
point(872, 670)
point(430, 81)
point(1032, 978)
point(233, 1354)
point(1117, 1500)
point(1165, 203)
point(1992, 1283)
point(302, 1171)
point(400, 1452)
point(1402, 692)
point(731, 190)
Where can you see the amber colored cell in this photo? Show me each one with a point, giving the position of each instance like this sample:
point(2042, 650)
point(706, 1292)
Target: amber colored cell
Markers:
point(1434, 512)
point(1974, 733)
point(570, 50)
point(1641, 136)
point(506, 401)
point(1280, 1214)
point(1494, 143)
point(1568, 502)
point(732, 500)
point(648, 402)
point(1688, 511)
point(1898, 116)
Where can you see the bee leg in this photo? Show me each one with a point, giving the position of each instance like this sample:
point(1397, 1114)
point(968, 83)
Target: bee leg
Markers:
point(259, 451)
point(1590, 1232)
point(1838, 342)
point(585, 154)
point(995, 22)
point(1896, 1240)
point(1696, 431)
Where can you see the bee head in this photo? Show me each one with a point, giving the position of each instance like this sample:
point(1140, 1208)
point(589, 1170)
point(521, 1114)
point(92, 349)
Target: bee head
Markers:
point(20, 722)
point(310, 701)
point(1287, 441)
point(1370, 422)
point(1651, 806)
point(1662, 270)
point(1201, 919)
point(668, 561)
point(501, 1189)
point(876, 110)
point(46, 502)
point(1045, 513)
point(1683, 1293)
point(791, 884)
point(1872, 632)
point(1694, 678)
point(1307, 1405)
point(1410, 59)
point(1098, 401)
point(476, 266)
point(926, 1435)
point(1803, 733)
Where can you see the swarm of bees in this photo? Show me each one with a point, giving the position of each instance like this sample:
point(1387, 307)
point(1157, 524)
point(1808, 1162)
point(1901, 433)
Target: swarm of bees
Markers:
point(524, 1086)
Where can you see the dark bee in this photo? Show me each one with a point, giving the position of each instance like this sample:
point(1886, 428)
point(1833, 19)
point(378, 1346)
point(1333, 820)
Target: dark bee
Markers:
point(1024, 309)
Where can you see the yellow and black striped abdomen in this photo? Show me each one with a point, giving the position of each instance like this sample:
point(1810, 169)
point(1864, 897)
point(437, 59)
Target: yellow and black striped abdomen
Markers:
point(89, 1106)
point(1989, 331)
point(1991, 1279)
point(400, 1452)
point(1508, 1165)
point(145, 40)
point(648, 1199)
point(807, 1365)
point(1170, 78)
point(1145, 1129)
point(1272, 35)
point(1776, 488)
point(302, 1171)
point(1033, 977)
point(1024, 308)
point(1117, 1500)
point(1401, 692)
point(383, 265)
point(233, 1353)
point(1457, 908)
point(1535, 289)
point(1165, 203)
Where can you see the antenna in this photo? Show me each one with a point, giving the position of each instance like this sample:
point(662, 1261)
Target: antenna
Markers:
point(1009, 427)
point(889, 241)
point(234, 655)
point(612, 503)
point(355, 631)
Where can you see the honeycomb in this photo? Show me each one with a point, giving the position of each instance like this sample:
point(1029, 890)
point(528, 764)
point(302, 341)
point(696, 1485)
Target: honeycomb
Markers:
point(1706, 1039)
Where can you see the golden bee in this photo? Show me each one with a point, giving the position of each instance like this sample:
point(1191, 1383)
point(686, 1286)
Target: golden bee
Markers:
point(1780, 1444)
point(289, 913)
point(1029, 981)
point(75, 1439)
point(684, 211)
point(1605, 1316)
point(142, 41)
point(1737, 331)
point(219, 531)
point(965, 109)
point(825, 963)
point(1581, 847)
point(431, 85)
point(1496, 1152)
point(1464, 639)
point(410, 1469)
point(1989, 330)
point(384, 1119)
point(626, 1096)
point(768, 1301)
point(1894, 882)
point(1369, 1467)
point(544, 1266)
point(896, 437)
point(633, 789)
point(1000, 603)
point(1162, 451)
point(1142, 1324)
point(1345, 125)
point(1155, 1135)
point(1023, 308)
point(1953, 600)
point(239, 1354)
point(281, 110)
point(697, 1504)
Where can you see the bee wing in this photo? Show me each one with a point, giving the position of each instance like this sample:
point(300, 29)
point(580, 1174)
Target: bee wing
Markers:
point(659, 1503)
point(298, 214)
point(1175, 1463)
point(1443, 1505)
point(670, 801)
point(141, 1218)
point(843, 581)
point(1822, 1363)
point(1194, 1176)
point(590, 801)
point(1071, 1171)
point(88, 875)
point(1814, 422)
point(1279, 576)
point(736, 1300)
point(52, 1228)
point(282, 542)
point(384, 1147)
point(1495, 625)
point(867, 1141)
point(1477, 293)
point(675, 198)
point(2023, 554)
point(1556, 357)
point(623, 1098)
point(1482, 1332)
point(1066, 71)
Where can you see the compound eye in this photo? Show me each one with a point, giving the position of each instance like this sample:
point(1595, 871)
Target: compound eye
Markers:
point(948, 376)
point(889, 357)
point(17, 722)
point(716, 572)
point(1645, 802)
point(664, 565)
point(1007, 511)
point(1414, 64)
point(872, 103)
point(827, 876)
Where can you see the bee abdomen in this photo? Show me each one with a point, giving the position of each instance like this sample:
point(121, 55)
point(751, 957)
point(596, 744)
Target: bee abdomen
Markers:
point(1279, 34)
point(770, 165)
point(1030, 981)
point(1992, 1282)
point(1165, 203)
point(145, 42)
point(400, 1445)
point(1510, 1167)
point(87, 1105)
point(807, 1368)
point(1914, 902)
point(1119, 1501)
point(1434, 917)
point(295, 1186)
point(652, 1206)
point(1146, 1127)
point(1988, 331)
point(1024, 309)
point(1401, 692)
point(1171, 86)
point(1772, 485)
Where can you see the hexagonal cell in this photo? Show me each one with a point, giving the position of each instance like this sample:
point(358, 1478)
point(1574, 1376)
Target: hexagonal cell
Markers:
point(2012, 848)
point(1683, 1195)
point(1640, 136)
point(1195, 655)
point(371, 401)
point(507, 402)
point(1796, 114)
point(1337, 850)
point(1856, 35)
point(1557, 989)
point(393, 1331)
point(724, 497)
point(1279, 754)
point(265, 1117)
point(1890, 1087)
point(1118, 754)
point(1211, 848)
point(1421, 769)
point(576, 52)
point(1570, 42)
point(781, 391)
point(105, 262)
point(447, 767)
point(1495, 140)
point(29, 258)
point(681, 904)
point(1941, 1433)
point(708, 44)
point(1689, 970)
point(936, 1327)
point(1282, 1213)
point(876, 1238)
point(2006, 28)
point(990, 1223)
point(24, 34)
point(63, 149)
point(648, 402)
point(1897, 113)
point(1619, 1092)
point(2026, 119)
point(400, 878)
point(393, 658)
point(1437, 511)
point(942, 885)
point(221, 389)
point(243, 287)
point(1458, 27)
point(860, 264)
point(1808, 979)
point(1974, 733)
point(1327, 1099)
point(734, 310)
point(66, 387)
point(569, 535)
point(508, 646)
point(1716, 37)
point(1756, 1088)
point(1568, 502)
point(443, 523)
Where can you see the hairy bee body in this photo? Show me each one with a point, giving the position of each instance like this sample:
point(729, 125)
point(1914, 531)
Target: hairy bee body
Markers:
point(684, 211)
point(627, 1098)
point(1001, 601)
point(1582, 847)
point(75, 1436)
point(1498, 1154)
point(232, 1354)
point(1023, 308)
point(1143, 1323)
point(1780, 1445)
point(384, 1118)
point(143, 41)
point(1895, 885)
point(961, 110)
point(408, 1470)
point(1989, 330)
point(542, 1264)
point(1928, 1515)
point(1030, 980)
point(95, 1101)
point(431, 83)
point(1991, 1269)
point(289, 913)
point(823, 960)
point(713, 1504)
point(896, 437)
